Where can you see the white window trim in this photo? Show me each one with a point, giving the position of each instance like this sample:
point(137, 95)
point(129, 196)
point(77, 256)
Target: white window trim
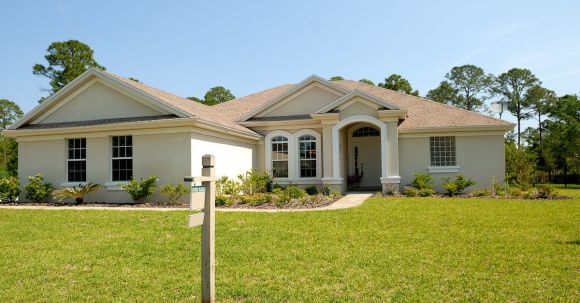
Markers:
point(443, 169)
point(67, 183)
point(291, 155)
point(114, 185)
point(318, 141)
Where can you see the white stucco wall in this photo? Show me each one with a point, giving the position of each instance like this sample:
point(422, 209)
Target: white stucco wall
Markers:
point(308, 101)
point(232, 157)
point(479, 157)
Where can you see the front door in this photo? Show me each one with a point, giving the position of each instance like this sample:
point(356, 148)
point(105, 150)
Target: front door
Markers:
point(365, 156)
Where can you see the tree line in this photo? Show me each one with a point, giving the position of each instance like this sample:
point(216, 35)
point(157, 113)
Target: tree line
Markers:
point(553, 145)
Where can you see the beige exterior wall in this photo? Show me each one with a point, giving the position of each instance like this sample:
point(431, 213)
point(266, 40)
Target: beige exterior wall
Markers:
point(479, 157)
point(166, 156)
point(358, 108)
point(96, 102)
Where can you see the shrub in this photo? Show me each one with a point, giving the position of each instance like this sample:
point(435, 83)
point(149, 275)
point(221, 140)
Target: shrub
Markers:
point(481, 193)
point(546, 192)
point(37, 190)
point(312, 190)
point(457, 186)
point(9, 189)
point(335, 194)
point(282, 199)
point(221, 200)
point(411, 192)
point(77, 193)
point(254, 181)
point(227, 186)
point(174, 193)
point(514, 192)
point(426, 192)
point(141, 190)
point(256, 199)
point(294, 192)
point(422, 181)
point(277, 186)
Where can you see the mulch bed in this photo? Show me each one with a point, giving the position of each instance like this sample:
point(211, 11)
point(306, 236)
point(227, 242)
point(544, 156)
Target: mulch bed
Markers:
point(293, 204)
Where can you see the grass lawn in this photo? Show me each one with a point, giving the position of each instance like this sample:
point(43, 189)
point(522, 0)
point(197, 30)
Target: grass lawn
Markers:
point(394, 249)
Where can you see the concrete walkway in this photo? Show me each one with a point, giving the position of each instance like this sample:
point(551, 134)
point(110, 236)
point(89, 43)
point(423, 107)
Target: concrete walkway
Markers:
point(348, 201)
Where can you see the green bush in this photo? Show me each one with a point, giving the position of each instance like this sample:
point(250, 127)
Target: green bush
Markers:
point(335, 195)
point(546, 192)
point(9, 189)
point(221, 200)
point(282, 199)
point(422, 181)
point(254, 181)
point(294, 192)
point(141, 190)
point(76, 193)
point(411, 192)
point(37, 190)
point(426, 192)
point(312, 190)
point(256, 199)
point(174, 192)
point(514, 192)
point(227, 186)
point(457, 186)
point(277, 186)
point(481, 193)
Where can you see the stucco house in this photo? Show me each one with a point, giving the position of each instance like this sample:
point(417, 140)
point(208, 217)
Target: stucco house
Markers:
point(107, 129)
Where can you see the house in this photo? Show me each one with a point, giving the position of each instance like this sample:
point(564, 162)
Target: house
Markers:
point(107, 129)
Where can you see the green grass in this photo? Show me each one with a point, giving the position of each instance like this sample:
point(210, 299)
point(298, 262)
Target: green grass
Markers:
point(396, 249)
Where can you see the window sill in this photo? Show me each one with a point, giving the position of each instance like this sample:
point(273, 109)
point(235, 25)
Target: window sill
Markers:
point(115, 186)
point(71, 184)
point(443, 169)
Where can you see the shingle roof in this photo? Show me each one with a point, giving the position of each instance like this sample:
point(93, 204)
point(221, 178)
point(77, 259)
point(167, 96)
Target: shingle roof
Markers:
point(421, 112)
point(97, 122)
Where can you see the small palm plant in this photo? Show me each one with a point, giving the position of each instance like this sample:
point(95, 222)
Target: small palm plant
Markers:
point(77, 193)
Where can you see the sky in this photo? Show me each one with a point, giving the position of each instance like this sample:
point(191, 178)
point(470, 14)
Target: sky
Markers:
point(187, 47)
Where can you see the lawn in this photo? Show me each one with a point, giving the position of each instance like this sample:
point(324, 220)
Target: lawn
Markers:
point(394, 249)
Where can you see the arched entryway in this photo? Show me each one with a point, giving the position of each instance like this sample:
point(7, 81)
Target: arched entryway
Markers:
point(359, 146)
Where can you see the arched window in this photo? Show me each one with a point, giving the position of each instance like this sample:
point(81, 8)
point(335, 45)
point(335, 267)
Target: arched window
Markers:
point(280, 157)
point(307, 156)
point(366, 132)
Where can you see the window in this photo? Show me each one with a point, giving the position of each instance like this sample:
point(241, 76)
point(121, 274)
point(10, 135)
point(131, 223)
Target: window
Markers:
point(366, 132)
point(122, 158)
point(442, 151)
point(280, 157)
point(307, 150)
point(77, 160)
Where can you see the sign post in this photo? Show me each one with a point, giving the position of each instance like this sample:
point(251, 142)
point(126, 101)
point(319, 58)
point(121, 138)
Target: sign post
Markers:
point(207, 222)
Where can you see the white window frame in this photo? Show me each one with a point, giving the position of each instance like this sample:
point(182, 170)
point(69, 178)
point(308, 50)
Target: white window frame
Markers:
point(318, 142)
point(68, 160)
point(291, 155)
point(115, 183)
point(443, 168)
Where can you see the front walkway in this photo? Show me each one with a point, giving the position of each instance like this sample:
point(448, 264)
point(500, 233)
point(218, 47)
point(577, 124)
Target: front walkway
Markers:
point(348, 201)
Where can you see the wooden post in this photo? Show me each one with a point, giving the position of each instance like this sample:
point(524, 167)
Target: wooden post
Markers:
point(208, 232)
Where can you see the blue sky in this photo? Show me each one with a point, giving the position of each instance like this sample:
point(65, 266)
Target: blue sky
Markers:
point(186, 47)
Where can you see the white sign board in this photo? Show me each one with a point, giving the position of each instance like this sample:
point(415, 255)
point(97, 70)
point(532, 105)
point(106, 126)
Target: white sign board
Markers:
point(195, 220)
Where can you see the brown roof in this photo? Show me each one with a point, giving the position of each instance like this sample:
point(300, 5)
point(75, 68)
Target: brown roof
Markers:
point(421, 112)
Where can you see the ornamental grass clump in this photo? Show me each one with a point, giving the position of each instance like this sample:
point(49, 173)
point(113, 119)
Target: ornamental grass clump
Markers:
point(37, 190)
point(76, 193)
point(141, 190)
point(9, 189)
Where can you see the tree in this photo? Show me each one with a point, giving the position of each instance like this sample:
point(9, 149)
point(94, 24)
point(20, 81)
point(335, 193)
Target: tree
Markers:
point(9, 113)
point(400, 84)
point(472, 84)
point(444, 93)
point(196, 99)
point(217, 95)
point(66, 61)
point(336, 78)
point(540, 99)
point(513, 87)
point(366, 81)
point(133, 79)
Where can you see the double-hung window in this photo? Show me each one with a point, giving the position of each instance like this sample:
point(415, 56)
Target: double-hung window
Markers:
point(307, 150)
point(77, 160)
point(122, 160)
point(280, 157)
point(442, 151)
